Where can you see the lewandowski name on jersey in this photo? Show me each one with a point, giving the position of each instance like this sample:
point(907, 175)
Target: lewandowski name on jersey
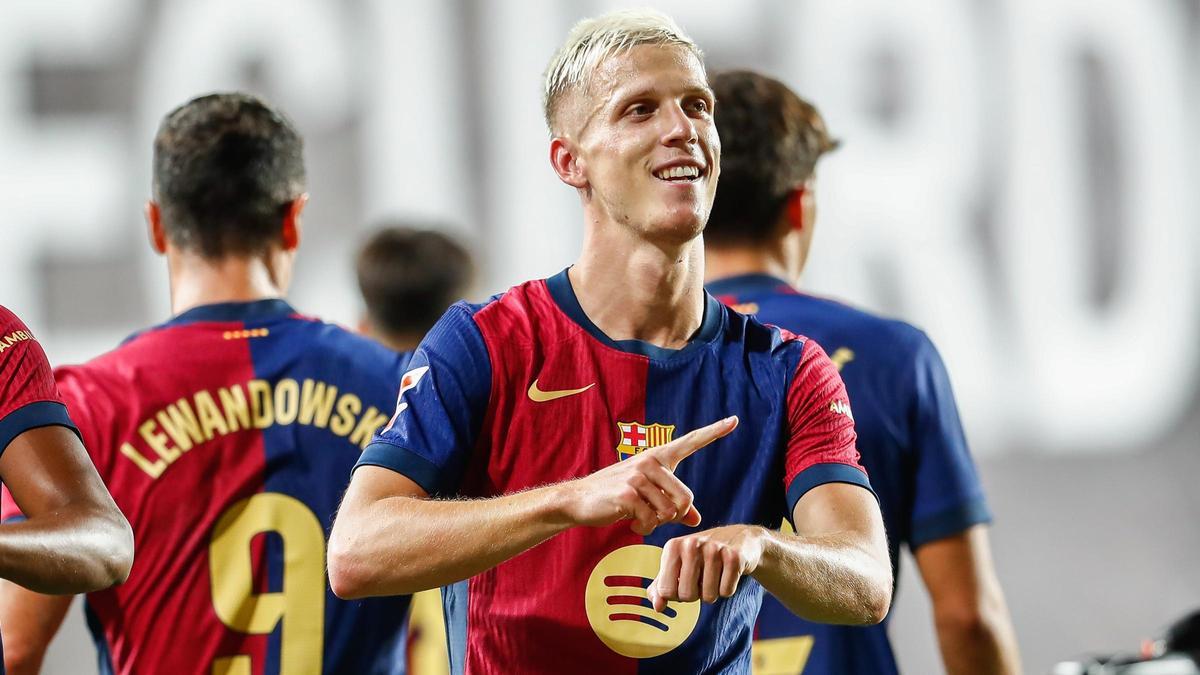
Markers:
point(256, 404)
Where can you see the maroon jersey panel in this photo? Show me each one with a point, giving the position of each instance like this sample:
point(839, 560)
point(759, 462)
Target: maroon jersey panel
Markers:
point(28, 397)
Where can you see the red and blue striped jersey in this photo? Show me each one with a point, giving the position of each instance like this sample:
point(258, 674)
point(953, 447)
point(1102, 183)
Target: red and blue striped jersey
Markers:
point(912, 443)
point(28, 397)
point(227, 436)
point(525, 390)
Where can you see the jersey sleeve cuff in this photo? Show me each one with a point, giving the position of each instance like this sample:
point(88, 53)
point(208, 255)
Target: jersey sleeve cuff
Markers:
point(405, 462)
point(949, 522)
point(820, 474)
point(32, 416)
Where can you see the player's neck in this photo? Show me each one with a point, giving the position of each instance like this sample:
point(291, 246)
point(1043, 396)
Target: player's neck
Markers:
point(397, 342)
point(196, 281)
point(642, 291)
point(734, 261)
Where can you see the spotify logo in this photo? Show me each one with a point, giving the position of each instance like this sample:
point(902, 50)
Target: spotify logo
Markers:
point(622, 615)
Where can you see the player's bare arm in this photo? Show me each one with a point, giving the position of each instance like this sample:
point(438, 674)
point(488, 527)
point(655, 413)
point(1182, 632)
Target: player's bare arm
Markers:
point(974, 629)
point(30, 621)
point(389, 539)
point(836, 570)
point(73, 538)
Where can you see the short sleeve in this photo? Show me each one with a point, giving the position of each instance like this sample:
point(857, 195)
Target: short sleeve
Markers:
point(948, 497)
point(440, 407)
point(28, 396)
point(820, 444)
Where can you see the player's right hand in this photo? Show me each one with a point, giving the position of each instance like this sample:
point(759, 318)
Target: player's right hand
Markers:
point(643, 488)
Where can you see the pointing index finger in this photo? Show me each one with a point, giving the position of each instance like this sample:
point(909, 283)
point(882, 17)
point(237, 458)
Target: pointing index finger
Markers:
point(675, 452)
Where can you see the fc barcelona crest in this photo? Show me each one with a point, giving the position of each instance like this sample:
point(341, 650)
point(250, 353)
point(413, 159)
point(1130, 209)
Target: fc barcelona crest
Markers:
point(638, 437)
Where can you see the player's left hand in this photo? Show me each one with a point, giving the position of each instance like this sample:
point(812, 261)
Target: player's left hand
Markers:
point(706, 565)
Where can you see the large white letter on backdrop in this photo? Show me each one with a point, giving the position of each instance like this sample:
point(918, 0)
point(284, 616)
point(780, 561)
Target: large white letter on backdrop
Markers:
point(896, 201)
point(1112, 376)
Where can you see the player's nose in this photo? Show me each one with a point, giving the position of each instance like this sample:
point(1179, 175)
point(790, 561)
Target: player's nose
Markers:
point(679, 127)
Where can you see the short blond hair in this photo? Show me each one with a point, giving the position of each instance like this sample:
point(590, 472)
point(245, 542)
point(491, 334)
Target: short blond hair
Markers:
point(592, 41)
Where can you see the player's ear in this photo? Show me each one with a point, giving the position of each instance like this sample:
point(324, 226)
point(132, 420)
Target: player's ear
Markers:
point(291, 222)
point(566, 164)
point(797, 208)
point(154, 227)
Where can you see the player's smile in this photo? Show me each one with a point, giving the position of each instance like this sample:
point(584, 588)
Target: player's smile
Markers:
point(680, 171)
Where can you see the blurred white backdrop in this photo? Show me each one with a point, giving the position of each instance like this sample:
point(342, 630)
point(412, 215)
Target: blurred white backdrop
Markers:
point(1018, 177)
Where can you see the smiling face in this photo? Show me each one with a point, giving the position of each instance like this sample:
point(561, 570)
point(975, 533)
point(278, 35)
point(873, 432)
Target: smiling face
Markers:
point(645, 145)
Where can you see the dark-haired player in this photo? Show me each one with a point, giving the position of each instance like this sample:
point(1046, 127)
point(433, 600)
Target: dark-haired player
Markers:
point(227, 433)
point(73, 539)
point(408, 277)
point(569, 526)
point(909, 433)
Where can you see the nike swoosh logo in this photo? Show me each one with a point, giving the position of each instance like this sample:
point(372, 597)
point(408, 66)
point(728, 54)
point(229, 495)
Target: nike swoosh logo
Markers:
point(538, 396)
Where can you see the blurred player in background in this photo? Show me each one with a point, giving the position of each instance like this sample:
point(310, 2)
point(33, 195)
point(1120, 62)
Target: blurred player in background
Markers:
point(73, 539)
point(228, 433)
point(909, 434)
point(409, 277)
point(545, 421)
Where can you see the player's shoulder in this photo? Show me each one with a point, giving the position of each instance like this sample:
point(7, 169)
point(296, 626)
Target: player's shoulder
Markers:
point(463, 319)
point(758, 337)
point(895, 337)
point(521, 315)
point(334, 340)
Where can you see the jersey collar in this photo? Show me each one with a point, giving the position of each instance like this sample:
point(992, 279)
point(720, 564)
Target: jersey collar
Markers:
point(223, 312)
point(563, 295)
point(256, 310)
point(745, 285)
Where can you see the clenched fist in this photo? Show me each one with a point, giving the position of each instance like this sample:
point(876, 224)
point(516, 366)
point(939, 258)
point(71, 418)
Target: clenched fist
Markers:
point(706, 565)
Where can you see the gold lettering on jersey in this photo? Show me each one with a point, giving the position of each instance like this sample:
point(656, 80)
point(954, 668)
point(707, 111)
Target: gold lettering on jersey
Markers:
point(157, 441)
point(316, 403)
point(13, 338)
point(262, 409)
point(164, 437)
point(780, 656)
point(368, 424)
point(237, 410)
point(154, 468)
point(211, 419)
point(181, 425)
point(348, 407)
point(841, 356)
point(287, 400)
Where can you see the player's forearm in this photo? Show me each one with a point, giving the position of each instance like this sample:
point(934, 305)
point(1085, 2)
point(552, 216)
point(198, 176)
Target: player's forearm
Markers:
point(75, 550)
point(401, 545)
point(835, 578)
point(30, 621)
point(980, 641)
